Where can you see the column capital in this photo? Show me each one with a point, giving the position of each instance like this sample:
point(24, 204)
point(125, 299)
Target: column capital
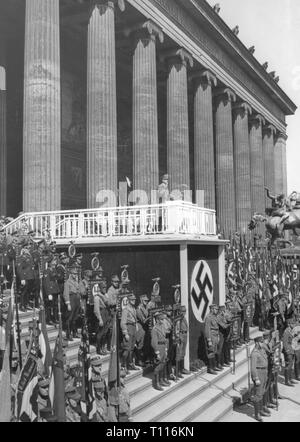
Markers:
point(225, 93)
point(146, 29)
point(269, 129)
point(257, 119)
point(102, 5)
point(178, 56)
point(242, 107)
point(204, 77)
point(281, 135)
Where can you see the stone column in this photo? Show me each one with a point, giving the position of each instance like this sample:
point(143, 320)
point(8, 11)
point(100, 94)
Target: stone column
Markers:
point(101, 101)
point(284, 165)
point(3, 153)
point(242, 165)
point(42, 107)
point(225, 191)
point(177, 119)
point(257, 165)
point(279, 148)
point(204, 137)
point(268, 151)
point(145, 122)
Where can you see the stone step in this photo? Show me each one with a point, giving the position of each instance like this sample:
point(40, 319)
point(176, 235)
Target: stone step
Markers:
point(225, 397)
point(214, 387)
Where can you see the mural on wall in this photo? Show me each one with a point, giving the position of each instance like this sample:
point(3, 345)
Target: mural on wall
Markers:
point(73, 142)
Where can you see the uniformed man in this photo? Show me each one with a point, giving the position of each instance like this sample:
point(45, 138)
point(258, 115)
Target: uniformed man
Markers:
point(113, 291)
point(61, 270)
point(100, 390)
point(27, 275)
point(268, 344)
point(289, 353)
point(43, 397)
point(259, 375)
point(129, 330)
point(51, 294)
point(224, 329)
point(72, 296)
point(142, 336)
point(160, 347)
point(282, 310)
point(212, 337)
point(103, 317)
point(167, 372)
point(183, 335)
point(73, 409)
point(163, 190)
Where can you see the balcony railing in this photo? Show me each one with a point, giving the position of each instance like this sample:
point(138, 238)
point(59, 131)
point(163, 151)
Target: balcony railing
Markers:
point(171, 218)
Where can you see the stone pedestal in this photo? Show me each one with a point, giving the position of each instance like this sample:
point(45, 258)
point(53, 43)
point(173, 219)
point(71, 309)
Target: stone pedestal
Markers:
point(225, 185)
point(42, 108)
point(3, 153)
point(101, 101)
point(279, 172)
point(145, 122)
point(242, 166)
point(257, 165)
point(268, 151)
point(204, 167)
point(177, 119)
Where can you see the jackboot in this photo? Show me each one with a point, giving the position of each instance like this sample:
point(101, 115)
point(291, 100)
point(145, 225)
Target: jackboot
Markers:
point(291, 377)
point(164, 382)
point(286, 378)
point(215, 367)
point(296, 370)
point(156, 383)
point(210, 369)
point(262, 411)
point(257, 415)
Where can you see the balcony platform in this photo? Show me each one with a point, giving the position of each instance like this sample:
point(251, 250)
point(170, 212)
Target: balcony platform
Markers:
point(171, 222)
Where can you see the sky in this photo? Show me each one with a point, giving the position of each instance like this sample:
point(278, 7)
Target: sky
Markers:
point(273, 27)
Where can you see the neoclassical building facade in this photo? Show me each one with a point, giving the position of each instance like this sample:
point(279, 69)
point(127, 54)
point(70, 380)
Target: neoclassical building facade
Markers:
point(100, 90)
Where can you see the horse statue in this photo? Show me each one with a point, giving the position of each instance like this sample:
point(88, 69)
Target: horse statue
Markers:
point(278, 220)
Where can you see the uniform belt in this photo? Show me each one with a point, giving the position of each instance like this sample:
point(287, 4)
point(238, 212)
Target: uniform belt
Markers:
point(261, 368)
point(161, 343)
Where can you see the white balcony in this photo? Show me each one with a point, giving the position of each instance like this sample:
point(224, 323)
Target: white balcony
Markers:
point(174, 218)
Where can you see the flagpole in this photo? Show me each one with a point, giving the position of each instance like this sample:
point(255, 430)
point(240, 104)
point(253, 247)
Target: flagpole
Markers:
point(17, 315)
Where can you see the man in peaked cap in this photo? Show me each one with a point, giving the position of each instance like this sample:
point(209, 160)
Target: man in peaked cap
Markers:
point(259, 375)
point(288, 352)
point(72, 296)
point(211, 332)
point(142, 336)
point(129, 329)
point(183, 334)
point(159, 344)
point(73, 409)
point(102, 317)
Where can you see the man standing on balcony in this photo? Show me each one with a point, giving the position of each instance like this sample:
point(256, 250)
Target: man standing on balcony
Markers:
point(163, 190)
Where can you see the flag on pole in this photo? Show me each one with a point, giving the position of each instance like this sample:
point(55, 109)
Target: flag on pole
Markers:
point(57, 381)
point(5, 387)
point(88, 403)
point(26, 409)
point(44, 343)
point(113, 371)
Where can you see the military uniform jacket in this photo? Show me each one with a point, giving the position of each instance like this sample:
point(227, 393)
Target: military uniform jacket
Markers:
point(60, 272)
point(128, 317)
point(211, 328)
point(26, 268)
point(158, 339)
point(71, 415)
point(50, 283)
point(100, 303)
point(287, 340)
point(259, 361)
point(112, 295)
point(222, 321)
point(71, 288)
point(142, 315)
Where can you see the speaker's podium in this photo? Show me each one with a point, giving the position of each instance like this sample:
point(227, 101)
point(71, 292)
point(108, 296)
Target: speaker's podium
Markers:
point(175, 241)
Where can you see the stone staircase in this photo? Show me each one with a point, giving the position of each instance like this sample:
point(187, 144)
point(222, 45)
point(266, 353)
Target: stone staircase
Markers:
point(199, 397)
